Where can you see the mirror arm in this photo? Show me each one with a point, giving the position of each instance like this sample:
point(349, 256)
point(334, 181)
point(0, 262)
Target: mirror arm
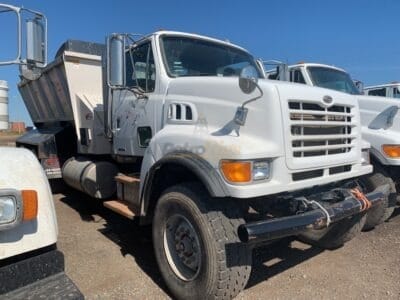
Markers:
point(255, 98)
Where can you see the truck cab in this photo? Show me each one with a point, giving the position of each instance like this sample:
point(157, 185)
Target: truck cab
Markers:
point(390, 90)
point(319, 75)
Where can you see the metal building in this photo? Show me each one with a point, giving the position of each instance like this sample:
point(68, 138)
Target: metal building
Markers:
point(3, 105)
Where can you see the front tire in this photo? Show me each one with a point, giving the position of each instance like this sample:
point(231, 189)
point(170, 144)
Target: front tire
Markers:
point(196, 245)
point(382, 212)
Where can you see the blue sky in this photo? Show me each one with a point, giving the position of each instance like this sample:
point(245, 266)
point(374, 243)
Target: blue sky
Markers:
point(359, 36)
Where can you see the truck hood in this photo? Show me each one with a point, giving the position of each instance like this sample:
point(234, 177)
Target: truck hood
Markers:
point(19, 170)
point(271, 128)
point(372, 106)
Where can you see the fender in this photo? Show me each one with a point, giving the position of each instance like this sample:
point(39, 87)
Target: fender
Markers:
point(378, 138)
point(193, 163)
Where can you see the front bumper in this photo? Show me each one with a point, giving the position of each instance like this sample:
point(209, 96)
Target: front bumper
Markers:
point(39, 276)
point(273, 229)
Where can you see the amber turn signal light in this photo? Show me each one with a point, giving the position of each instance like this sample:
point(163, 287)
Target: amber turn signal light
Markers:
point(236, 171)
point(392, 151)
point(30, 204)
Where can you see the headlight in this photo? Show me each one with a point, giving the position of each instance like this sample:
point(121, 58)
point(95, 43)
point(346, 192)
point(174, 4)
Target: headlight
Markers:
point(17, 206)
point(261, 170)
point(8, 209)
point(237, 171)
point(365, 158)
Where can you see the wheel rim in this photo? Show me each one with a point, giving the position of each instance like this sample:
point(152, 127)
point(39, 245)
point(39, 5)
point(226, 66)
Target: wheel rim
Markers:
point(182, 247)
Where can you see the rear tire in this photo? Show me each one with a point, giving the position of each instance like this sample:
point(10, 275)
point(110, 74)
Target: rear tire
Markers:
point(382, 212)
point(336, 235)
point(196, 244)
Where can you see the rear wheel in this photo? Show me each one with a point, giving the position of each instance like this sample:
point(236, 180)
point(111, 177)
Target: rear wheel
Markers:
point(196, 245)
point(337, 234)
point(382, 212)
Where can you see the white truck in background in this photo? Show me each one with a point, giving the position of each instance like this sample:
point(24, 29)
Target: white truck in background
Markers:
point(183, 131)
point(379, 119)
point(390, 90)
point(31, 267)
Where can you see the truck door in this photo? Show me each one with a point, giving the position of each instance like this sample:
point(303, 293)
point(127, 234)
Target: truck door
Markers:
point(133, 126)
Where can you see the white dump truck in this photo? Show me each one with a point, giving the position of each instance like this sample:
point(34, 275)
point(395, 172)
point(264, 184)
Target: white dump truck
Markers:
point(380, 127)
point(31, 267)
point(183, 131)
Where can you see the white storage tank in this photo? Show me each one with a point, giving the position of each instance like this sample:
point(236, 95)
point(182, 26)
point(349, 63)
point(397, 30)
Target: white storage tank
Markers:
point(3, 105)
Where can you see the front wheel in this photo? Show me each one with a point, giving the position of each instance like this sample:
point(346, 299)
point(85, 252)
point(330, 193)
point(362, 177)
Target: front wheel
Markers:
point(382, 212)
point(196, 245)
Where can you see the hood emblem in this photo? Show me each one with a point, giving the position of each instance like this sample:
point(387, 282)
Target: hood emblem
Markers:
point(327, 100)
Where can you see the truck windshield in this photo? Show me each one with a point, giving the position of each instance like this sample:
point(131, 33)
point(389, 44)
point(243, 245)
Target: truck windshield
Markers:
point(185, 56)
point(332, 79)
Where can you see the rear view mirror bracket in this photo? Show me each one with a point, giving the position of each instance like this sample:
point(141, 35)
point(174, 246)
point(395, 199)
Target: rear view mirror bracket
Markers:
point(34, 37)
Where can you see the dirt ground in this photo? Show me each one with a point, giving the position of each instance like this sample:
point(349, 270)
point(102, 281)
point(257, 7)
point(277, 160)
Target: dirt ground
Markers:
point(110, 257)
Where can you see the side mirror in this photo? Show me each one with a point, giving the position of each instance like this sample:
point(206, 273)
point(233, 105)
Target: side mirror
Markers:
point(248, 79)
point(116, 60)
point(248, 83)
point(34, 36)
point(10, 47)
point(36, 41)
point(283, 72)
point(359, 85)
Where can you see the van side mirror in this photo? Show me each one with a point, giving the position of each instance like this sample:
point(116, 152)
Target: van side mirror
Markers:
point(116, 45)
point(34, 36)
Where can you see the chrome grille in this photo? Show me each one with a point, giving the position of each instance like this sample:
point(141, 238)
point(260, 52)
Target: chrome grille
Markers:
point(319, 131)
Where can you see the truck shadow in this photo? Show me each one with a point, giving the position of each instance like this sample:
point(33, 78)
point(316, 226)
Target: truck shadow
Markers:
point(395, 213)
point(271, 260)
point(136, 241)
point(133, 240)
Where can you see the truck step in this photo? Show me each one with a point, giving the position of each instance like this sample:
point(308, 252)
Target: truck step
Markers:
point(122, 178)
point(128, 188)
point(121, 207)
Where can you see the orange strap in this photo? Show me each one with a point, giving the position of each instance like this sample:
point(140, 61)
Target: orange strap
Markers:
point(365, 203)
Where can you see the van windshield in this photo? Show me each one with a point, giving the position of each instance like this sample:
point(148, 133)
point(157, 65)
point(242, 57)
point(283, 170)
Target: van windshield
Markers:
point(332, 79)
point(186, 56)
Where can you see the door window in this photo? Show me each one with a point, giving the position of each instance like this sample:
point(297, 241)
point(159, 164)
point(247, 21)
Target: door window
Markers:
point(140, 68)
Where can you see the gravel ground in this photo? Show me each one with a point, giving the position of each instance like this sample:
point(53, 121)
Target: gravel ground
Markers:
point(110, 257)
